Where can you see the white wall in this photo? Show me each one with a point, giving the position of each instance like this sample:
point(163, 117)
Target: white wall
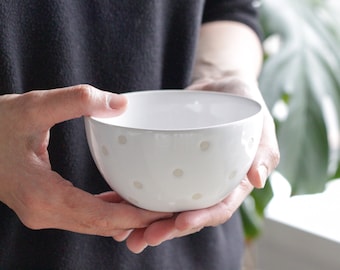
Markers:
point(301, 232)
point(283, 247)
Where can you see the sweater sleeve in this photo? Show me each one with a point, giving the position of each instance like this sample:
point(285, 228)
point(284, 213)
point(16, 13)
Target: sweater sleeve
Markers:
point(243, 11)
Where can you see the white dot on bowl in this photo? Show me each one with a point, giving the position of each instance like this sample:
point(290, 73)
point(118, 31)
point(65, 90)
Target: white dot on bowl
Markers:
point(178, 172)
point(197, 196)
point(232, 174)
point(105, 151)
point(122, 139)
point(204, 145)
point(251, 142)
point(138, 185)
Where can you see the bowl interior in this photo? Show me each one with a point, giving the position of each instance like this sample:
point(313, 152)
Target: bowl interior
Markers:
point(182, 110)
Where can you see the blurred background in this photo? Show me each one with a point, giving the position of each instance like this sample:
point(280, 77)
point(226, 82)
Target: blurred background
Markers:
point(294, 223)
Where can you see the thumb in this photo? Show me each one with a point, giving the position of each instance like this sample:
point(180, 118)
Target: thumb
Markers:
point(58, 105)
point(267, 156)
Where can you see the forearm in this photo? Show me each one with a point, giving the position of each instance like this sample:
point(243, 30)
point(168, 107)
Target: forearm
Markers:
point(227, 49)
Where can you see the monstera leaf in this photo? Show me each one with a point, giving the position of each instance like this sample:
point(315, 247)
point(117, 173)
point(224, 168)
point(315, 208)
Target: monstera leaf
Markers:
point(300, 82)
point(303, 74)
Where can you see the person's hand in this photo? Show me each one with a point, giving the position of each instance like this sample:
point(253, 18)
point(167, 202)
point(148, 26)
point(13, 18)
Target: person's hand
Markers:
point(40, 197)
point(189, 222)
point(268, 155)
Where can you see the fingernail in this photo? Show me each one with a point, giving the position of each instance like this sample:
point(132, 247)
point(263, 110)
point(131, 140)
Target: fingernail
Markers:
point(140, 249)
point(263, 175)
point(117, 101)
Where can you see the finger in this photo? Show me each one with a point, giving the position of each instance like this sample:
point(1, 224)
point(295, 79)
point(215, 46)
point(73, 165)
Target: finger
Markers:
point(216, 214)
point(164, 230)
point(58, 204)
point(122, 236)
point(193, 221)
point(114, 197)
point(160, 231)
point(54, 106)
point(110, 196)
point(199, 84)
point(267, 156)
point(136, 242)
point(231, 85)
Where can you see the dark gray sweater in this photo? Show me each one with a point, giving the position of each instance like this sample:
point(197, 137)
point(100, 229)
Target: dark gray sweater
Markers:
point(116, 45)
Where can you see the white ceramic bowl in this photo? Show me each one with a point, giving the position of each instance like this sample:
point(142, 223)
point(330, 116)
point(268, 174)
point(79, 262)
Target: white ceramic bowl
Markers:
point(176, 150)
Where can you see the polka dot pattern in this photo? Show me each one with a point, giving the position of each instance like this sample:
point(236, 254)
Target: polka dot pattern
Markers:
point(105, 151)
point(122, 139)
point(251, 143)
point(203, 146)
point(197, 196)
point(232, 174)
point(178, 172)
point(138, 185)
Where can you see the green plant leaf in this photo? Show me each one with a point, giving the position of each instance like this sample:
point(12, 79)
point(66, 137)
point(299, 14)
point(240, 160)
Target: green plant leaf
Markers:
point(252, 222)
point(305, 69)
point(337, 173)
point(302, 74)
point(304, 145)
point(252, 210)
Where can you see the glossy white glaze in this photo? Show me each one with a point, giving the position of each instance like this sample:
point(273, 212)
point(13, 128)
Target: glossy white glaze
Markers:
point(176, 150)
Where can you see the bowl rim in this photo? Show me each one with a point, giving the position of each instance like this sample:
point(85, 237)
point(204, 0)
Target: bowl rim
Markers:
point(99, 120)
